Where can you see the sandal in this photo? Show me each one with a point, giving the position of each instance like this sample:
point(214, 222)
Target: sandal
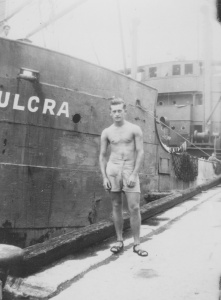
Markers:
point(139, 251)
point(117, 249)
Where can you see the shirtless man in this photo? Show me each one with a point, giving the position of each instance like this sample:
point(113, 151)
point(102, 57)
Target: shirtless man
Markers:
point(120, 173)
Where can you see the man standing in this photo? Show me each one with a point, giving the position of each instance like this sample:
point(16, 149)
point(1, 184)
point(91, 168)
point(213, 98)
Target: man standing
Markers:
point(120, 173)
point(5, 33)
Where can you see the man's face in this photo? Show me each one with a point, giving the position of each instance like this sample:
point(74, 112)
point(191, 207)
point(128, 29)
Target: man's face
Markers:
point(6, 29)
point(118, 112)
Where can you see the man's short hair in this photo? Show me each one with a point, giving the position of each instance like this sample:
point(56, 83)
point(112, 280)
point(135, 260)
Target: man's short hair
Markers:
point(116, 101)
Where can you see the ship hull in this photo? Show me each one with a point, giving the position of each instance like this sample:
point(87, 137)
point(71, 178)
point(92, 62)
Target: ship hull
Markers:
point(50, 137)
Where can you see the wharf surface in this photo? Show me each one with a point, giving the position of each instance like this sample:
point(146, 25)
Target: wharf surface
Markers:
point(184, 262)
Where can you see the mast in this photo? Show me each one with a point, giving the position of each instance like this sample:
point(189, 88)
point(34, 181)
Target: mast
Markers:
point(207, 62)
point(56, 17)
point(40, 17)
point(121, 38)
point(135, 23)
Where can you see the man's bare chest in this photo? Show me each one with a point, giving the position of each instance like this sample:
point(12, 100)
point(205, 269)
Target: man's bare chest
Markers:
point(121, 137)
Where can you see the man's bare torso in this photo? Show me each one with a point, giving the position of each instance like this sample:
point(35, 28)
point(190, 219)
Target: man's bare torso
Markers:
point(122, 142)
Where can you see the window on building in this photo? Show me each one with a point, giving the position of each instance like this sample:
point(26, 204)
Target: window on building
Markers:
point(176, 69)
point(180, 99)
point(188, 69)
point(153, 72)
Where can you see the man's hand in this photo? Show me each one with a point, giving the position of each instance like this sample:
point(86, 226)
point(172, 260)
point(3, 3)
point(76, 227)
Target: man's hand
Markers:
point(106, 184)
point(131, 181)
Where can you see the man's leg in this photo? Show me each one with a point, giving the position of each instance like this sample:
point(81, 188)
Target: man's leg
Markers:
point(133, 200)
point(117, 206)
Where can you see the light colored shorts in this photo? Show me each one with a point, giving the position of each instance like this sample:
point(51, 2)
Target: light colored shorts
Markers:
point(118, 172)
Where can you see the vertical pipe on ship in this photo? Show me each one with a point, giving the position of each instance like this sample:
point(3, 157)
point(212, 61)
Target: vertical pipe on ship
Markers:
point(207, 46)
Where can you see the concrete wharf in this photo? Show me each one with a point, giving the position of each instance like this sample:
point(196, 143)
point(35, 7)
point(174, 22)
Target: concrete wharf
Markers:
point(184, 262)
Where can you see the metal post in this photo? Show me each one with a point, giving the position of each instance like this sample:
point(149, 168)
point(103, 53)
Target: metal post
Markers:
point(135, 23)
point(215, 145)
point(0, 290)
point(10, 258)
point(122, 38)
point(207, 61)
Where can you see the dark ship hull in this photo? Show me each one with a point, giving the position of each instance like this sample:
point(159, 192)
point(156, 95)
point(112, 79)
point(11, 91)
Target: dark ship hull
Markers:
point(51, 120)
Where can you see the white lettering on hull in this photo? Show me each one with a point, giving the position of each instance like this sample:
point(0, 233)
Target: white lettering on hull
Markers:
point(50, 106)
point(31, 99)
point(7, 96)
point(15, 104)
point(64, 109)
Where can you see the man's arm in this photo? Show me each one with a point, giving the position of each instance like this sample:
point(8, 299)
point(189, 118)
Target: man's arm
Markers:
point(139, 150)
point(138, 136)
point(103, 160)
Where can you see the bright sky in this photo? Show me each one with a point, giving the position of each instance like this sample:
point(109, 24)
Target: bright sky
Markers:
point(167, 29)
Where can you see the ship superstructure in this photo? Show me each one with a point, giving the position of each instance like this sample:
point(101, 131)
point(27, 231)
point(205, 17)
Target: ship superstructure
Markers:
point(187, 102)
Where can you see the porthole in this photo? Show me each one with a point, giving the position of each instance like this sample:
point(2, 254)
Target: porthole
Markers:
point(138, 103)
point(173, 127)
point(76, 118)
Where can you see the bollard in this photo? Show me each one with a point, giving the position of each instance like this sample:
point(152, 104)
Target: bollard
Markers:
point(10, 257)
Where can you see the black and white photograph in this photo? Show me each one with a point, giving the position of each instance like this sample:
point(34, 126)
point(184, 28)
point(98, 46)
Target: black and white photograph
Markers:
point(110, 149)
